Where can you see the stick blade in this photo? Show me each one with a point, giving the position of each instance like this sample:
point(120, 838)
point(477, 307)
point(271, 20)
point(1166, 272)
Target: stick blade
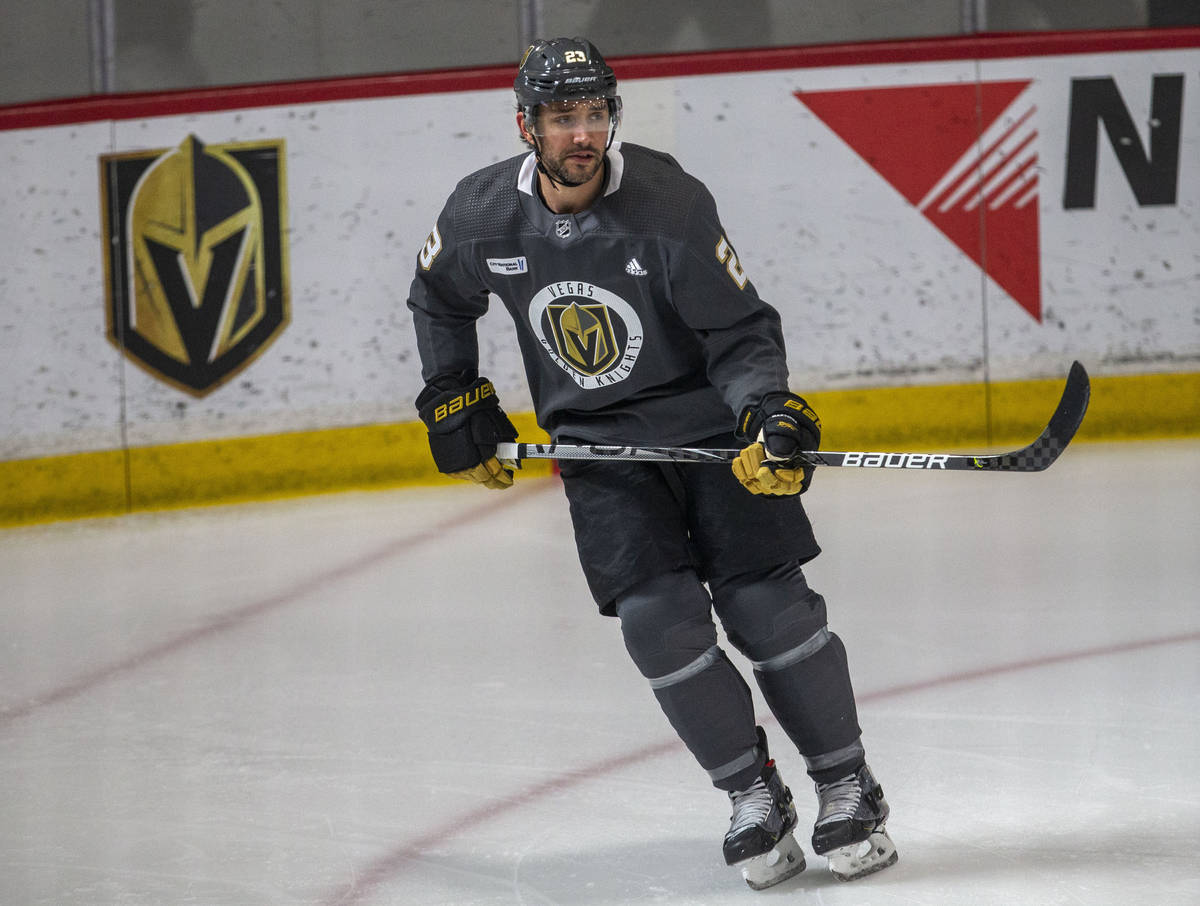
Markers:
point(1065, 421)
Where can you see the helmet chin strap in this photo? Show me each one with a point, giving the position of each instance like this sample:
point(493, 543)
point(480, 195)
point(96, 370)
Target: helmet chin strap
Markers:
point(537, 156)
point(537, 152)
point(529, 115)
point(531, 137)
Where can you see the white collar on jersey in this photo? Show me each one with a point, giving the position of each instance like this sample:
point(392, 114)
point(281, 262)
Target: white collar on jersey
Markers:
point(616, 168)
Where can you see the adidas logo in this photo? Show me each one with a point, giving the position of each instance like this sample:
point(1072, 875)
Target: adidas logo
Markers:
point(634, 268)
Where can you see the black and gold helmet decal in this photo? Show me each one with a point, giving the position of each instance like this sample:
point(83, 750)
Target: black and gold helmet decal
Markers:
point(196, 257)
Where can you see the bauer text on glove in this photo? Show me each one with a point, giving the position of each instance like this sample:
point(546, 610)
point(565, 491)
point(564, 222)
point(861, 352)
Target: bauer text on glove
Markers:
point(465, 423)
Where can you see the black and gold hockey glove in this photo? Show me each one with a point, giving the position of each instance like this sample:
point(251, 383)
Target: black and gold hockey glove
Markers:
point(465, 423)
point(780, 426)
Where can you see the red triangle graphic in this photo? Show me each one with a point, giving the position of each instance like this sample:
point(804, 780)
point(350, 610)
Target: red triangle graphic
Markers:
point(915, 135)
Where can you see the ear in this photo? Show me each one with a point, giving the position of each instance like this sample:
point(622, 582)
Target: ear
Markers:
point(526, 135)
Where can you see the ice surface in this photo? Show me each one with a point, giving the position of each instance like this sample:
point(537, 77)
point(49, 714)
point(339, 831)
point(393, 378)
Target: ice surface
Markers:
point(408, 698)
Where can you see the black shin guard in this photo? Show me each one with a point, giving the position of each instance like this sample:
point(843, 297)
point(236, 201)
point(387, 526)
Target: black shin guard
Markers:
point(713, 713)
point(814, 703)
point(776, 620)
point(669, 633)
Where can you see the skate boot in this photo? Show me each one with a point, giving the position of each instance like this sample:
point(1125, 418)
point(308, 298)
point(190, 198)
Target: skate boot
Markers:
point(849, 829)
point(760, 840)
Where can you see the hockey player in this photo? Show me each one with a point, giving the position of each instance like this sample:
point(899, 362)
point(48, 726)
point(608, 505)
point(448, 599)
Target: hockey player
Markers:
point(638, 325)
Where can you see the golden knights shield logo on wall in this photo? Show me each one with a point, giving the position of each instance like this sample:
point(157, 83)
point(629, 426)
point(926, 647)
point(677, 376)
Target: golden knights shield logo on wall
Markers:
point(196, 257)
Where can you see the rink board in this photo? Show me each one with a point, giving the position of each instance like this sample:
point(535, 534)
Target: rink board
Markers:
point(900, 292)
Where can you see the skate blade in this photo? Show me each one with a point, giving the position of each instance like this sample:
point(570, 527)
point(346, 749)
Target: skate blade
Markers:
point(785, 861)
point(858, 860)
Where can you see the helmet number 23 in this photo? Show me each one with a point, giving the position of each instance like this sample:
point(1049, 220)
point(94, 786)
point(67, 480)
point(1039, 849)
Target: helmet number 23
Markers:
point(575, 56)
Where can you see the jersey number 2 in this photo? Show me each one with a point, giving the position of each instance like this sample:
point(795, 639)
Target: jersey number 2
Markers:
point(727, 257)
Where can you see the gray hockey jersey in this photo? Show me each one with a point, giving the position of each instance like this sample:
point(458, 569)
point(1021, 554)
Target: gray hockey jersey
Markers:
point(636, 322)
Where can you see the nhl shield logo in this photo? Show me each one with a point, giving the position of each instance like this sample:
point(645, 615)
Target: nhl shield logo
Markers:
point(196, 258)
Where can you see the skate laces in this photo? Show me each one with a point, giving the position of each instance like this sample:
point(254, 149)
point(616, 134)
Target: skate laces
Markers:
point(839, 799)
point(751, 806)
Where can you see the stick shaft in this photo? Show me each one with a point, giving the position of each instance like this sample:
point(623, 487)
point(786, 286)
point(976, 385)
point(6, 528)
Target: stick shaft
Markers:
point(1035, 457)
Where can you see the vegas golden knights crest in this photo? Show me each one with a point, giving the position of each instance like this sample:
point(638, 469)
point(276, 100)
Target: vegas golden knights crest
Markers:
point(584, 335)
point(196, 257)
point(592, 334)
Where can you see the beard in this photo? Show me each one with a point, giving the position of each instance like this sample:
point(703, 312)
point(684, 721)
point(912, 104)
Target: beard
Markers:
point(568, 172)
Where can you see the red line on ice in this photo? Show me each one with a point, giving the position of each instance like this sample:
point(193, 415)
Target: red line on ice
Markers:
point(235, 619)
point(394, 861)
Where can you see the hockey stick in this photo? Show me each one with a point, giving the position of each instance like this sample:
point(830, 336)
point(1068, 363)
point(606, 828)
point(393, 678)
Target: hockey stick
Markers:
point(1036, 457)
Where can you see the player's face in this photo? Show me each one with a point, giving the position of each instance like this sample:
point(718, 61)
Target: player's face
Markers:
point(573, 135)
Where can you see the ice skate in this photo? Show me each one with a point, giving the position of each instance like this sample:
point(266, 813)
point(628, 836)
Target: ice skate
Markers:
point(760, 840)
point(850, 826)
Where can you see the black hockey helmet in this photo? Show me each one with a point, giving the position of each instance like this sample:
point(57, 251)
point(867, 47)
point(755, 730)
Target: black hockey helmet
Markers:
point(563, 69)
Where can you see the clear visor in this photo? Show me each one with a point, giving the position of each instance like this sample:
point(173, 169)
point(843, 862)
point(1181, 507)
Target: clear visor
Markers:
point(573, 117)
